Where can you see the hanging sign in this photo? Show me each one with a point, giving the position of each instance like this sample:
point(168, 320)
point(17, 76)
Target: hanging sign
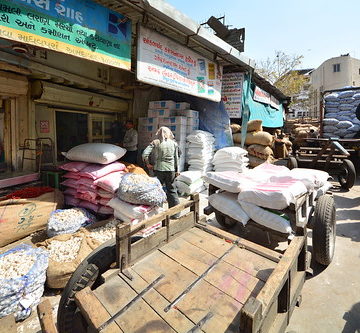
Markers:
point(232, 92)
point(165, 63)
point(261, 96)
point(81, 28)
point(274, 103)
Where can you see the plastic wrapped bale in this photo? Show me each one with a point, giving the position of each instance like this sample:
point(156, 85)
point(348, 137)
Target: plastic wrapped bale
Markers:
point(68, 221)
point(141, 190)
point(22, 278)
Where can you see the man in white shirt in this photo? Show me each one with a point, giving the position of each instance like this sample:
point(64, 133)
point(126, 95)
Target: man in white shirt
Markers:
point(130, 143)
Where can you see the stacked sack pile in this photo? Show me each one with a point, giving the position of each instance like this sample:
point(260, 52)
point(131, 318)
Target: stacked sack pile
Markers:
point(230, 159)
point(189, 182)
point(200, 151)
point(258, 143)
point(139, 197)
point(340, 114)
point(262, 193)
point(302, 131)
point(177, 116)
point(94, 176)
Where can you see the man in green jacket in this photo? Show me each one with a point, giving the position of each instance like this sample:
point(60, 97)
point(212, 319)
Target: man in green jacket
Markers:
point(166, 168)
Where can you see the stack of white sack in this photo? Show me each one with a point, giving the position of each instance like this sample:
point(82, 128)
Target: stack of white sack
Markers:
point(340, 114)
point(266, 187)
point(230, 159)
point(189, 182)
point(200, 151)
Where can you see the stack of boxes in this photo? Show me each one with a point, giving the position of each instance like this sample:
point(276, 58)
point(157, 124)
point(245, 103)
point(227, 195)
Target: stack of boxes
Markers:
point(176, 116)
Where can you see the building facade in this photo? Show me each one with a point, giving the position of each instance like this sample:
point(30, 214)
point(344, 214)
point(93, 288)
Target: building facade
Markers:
point(334, 73)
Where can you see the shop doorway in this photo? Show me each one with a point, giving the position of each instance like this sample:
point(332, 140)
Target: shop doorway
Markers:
point(71, 130)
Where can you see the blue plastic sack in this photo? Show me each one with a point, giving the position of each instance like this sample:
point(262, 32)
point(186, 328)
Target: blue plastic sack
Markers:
point(20, 295)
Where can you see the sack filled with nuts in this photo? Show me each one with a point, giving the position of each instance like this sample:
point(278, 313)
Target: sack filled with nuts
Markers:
point(66, 252)
point(22, 278)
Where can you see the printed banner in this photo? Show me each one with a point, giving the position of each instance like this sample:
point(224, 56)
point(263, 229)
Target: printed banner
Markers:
point(261, 96)
point(274, 103)
point(232, 92)
point(165, 63)
point(80, 28)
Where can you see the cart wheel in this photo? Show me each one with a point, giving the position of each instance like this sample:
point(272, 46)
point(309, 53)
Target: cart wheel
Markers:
point(224, 221)
point(324, 230)
point(292, 163)
point(88, 273)
point(348, 175)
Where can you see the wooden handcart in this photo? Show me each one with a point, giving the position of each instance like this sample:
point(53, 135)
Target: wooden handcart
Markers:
point(187, 277)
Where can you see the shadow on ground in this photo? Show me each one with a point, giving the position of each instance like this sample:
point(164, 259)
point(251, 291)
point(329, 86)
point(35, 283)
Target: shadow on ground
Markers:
point(350, 230)
point(352, 318)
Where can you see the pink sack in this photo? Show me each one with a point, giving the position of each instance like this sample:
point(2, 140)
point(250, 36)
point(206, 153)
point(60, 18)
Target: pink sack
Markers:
point(86, 194)
point(105, 194)
point(84, 188)
point(83, 196)
point(70, 191)
point(106, 210)
point(74, 166)
point(104, 201)
point(96, 171)
point(89, 205)
point(70, 183)
point(72, 175)
point(110, 182)
point(71, 201)
point(88, 183)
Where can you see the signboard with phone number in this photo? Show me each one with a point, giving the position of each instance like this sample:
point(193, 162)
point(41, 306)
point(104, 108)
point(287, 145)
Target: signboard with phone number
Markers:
point(165, 63)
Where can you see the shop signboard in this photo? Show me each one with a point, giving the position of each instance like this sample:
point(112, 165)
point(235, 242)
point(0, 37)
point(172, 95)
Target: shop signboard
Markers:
point(165, 63)
point(232, 93)
point(261, 96)
point(274, 103)
point(80, 28)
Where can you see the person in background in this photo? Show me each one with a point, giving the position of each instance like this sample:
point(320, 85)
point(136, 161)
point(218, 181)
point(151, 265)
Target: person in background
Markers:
point(166, 168)
point(130, 143)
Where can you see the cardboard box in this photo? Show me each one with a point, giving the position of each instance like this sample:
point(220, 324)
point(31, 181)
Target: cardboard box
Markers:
point(148, 121)
point(188, 113)
point(157, 113)
point(147, 129)
point(192, 122)
point(22, 217)
point(182, 106)
point(162, 104)
point(173, 121)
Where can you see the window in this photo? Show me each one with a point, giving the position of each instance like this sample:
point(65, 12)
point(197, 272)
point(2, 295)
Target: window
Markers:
point(336, 68)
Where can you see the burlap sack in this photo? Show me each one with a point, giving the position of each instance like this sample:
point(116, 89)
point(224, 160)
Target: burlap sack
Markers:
point(254, 126)
point(262, 152)
point(235, 128)
point(22, 217)
point(260, 138)
point(59, 273)
point(255, 161)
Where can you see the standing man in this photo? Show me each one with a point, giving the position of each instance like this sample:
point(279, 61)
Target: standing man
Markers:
point(166, 168)
point(130, 143)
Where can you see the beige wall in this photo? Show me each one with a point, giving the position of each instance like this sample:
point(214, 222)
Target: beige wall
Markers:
point(324, 78)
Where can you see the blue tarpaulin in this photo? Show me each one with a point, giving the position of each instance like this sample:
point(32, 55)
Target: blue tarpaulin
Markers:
point(270, 117)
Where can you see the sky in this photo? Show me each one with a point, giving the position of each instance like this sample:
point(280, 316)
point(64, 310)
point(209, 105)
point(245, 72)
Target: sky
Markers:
point(316, 29)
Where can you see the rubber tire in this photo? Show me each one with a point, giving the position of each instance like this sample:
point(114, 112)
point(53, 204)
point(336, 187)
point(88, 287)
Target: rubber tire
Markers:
point(324, 230)
point(88, 273)
point(224, 221)
point(292, 163)
point(348, 181)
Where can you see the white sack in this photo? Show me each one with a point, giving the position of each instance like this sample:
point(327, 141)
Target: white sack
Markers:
point(189, 177)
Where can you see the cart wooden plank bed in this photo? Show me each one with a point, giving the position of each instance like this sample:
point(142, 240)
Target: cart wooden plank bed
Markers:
point(192, 277)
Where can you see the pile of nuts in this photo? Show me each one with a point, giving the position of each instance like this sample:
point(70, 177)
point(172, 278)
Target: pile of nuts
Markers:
point(69, 216)
point(15, 265)
point(104, 233)
point(64, 251)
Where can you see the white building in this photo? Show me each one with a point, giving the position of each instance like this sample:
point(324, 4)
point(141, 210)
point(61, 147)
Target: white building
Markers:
point(334, 73)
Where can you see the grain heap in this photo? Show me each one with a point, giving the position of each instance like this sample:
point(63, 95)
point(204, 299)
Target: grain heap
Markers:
point(258, 143)
point(64, 251)
point(104, 233)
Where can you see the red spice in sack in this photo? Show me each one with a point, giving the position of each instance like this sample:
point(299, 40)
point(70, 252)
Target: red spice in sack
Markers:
point(29, 192)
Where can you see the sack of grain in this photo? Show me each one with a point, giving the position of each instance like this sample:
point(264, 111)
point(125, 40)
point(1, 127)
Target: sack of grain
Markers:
point(235, 128)
point(262, 152)
point(256, 161)
point(22, 278)
point(254, 125)
point(102, 153)
point(261, 138)
point(66, 252)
